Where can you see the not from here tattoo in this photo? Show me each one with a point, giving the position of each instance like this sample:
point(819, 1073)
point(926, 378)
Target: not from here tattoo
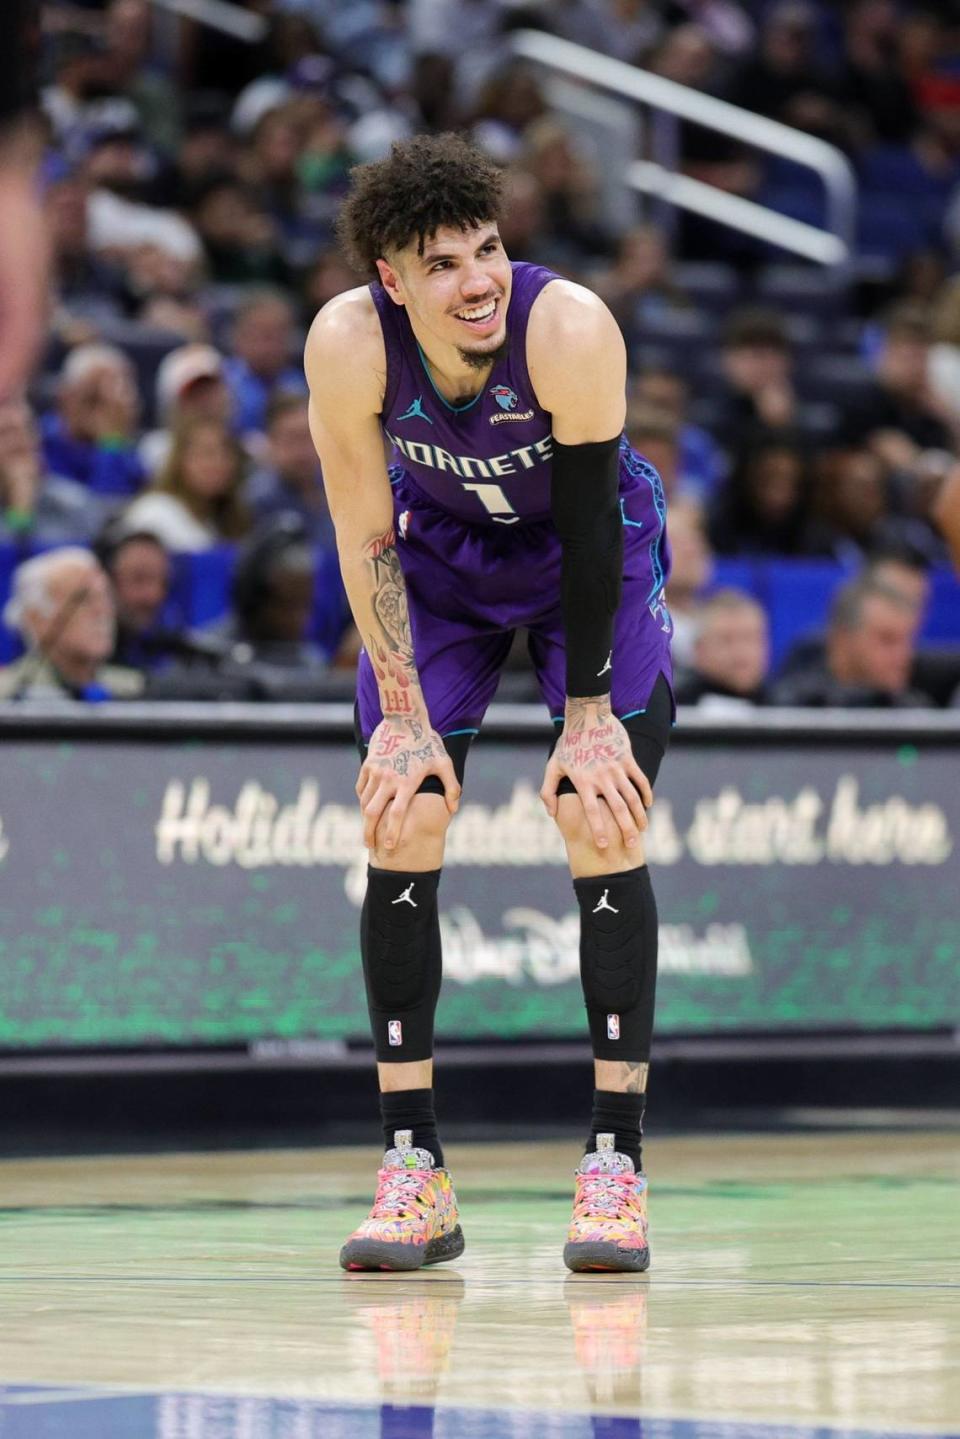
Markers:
point(592, 735)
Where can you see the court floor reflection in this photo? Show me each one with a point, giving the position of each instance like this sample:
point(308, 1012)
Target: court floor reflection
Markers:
point(800, 1286)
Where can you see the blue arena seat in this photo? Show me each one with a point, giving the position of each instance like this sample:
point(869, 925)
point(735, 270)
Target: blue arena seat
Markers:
point(709, 285)
point(808, 289)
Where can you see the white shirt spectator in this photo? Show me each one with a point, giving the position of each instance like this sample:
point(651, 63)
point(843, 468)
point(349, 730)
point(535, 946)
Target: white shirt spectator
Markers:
point(168, 518)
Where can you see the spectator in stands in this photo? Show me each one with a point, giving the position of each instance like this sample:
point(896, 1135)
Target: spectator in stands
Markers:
point(277, 586)
point(270, 166)
point(190, 384)
point(654, 436)
point(240, 240)
point(758, 372)
point(639, 285)
point(873, 84)
point(700, 463)
point(91, 435)
point(195, 501)
point(900, 417)
point(260, 363)
point(905, 571)
point(206, 149)
point(122, 218)
point(853, 502)
point(511, 102)
point(523, 226)
point(897, 568)
point(573, 218)
point(328, 275)
point(37, 507)
point(731, 652)
point(856, 518)
point(785, 79)
point(763, 508)
point(87, 290)
point(62, 608)
point(688, 56)
point(75, 60)
point(290, 480)
point(139, 570)
point(870, 649)
point(129, 69)
point(690, 572)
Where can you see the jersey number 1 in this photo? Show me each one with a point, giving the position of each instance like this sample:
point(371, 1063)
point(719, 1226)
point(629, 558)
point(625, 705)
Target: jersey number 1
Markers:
point(495, 502)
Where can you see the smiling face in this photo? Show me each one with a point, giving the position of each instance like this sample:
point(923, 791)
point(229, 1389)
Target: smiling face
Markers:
point(456, 293)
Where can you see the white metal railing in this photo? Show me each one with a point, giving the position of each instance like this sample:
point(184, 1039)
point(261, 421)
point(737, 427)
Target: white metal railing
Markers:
point(832, 246)
point(219, 15)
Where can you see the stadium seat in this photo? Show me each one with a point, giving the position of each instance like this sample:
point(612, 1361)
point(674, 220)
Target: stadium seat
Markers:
point(807, 289)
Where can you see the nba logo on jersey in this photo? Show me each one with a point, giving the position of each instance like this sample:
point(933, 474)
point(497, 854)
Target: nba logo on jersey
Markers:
point(394, 1032)
point(613, 1026)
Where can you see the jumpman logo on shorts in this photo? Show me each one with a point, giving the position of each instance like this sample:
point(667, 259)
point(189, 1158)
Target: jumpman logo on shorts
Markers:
point(404, 898)
point(416, 412)
point(604, 905)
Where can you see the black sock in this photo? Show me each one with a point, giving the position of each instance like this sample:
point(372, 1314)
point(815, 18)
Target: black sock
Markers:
point(412, 1109)
point(622, 1115)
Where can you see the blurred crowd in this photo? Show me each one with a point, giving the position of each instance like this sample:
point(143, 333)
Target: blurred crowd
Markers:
point(163, 528)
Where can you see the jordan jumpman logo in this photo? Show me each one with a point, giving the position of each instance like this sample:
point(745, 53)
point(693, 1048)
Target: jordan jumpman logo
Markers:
point(416, 412)
point(404, 898)
point(604, 905)
point(608, 666)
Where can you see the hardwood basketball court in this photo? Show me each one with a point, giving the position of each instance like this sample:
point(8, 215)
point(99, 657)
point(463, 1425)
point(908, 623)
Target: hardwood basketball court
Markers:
point(798, 1282)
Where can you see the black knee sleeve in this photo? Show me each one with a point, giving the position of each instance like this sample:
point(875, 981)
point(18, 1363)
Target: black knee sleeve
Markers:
point(400, 945)
point(618, 962)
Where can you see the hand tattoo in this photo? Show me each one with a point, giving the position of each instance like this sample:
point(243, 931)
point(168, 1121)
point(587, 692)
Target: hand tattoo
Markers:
point(403, 745)
point(591, 739)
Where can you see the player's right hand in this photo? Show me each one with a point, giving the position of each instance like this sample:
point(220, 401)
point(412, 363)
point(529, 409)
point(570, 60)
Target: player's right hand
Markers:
point(403, 750)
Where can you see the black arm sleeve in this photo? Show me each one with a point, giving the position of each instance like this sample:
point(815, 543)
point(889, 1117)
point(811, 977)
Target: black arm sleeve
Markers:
point(586, 512)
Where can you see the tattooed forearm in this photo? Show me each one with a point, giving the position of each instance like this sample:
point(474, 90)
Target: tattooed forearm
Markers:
point(389, 597)
point(390, 644)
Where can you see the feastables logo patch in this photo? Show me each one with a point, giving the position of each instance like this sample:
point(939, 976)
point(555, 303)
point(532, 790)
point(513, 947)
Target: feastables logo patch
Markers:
point(507, 400)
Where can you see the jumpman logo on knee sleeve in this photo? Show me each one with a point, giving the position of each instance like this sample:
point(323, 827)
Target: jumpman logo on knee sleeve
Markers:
point(604, 905)
point(404, 898)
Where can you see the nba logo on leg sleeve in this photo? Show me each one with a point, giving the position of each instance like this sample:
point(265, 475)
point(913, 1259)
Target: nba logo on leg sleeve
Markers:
point(613, 1026)
point(394, 1032)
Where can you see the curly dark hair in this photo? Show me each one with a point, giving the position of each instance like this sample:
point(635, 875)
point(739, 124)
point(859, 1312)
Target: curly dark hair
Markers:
point(424, 184)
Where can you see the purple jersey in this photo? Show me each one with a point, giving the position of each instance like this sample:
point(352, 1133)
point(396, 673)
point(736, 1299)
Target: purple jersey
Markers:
point(478, 548)
point(486, 461)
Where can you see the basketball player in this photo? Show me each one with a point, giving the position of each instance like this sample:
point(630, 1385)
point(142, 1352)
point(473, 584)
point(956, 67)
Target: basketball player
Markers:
point(514, 501)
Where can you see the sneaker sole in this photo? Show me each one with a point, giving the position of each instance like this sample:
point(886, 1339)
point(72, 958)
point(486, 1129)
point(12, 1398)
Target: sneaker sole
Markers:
point(609, 1258)
point(380, 1254)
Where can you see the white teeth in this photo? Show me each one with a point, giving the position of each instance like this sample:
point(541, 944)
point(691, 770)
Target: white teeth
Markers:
point(483, 312)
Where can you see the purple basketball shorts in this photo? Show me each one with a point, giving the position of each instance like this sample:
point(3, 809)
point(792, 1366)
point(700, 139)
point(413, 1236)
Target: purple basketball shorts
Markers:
point(469, 588)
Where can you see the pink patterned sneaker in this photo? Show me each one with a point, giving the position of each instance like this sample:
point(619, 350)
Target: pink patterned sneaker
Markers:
point(414, 1218)
point(609, 1225)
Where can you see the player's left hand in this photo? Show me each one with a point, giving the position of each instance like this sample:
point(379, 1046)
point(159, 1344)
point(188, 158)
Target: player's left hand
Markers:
point(594, 752)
